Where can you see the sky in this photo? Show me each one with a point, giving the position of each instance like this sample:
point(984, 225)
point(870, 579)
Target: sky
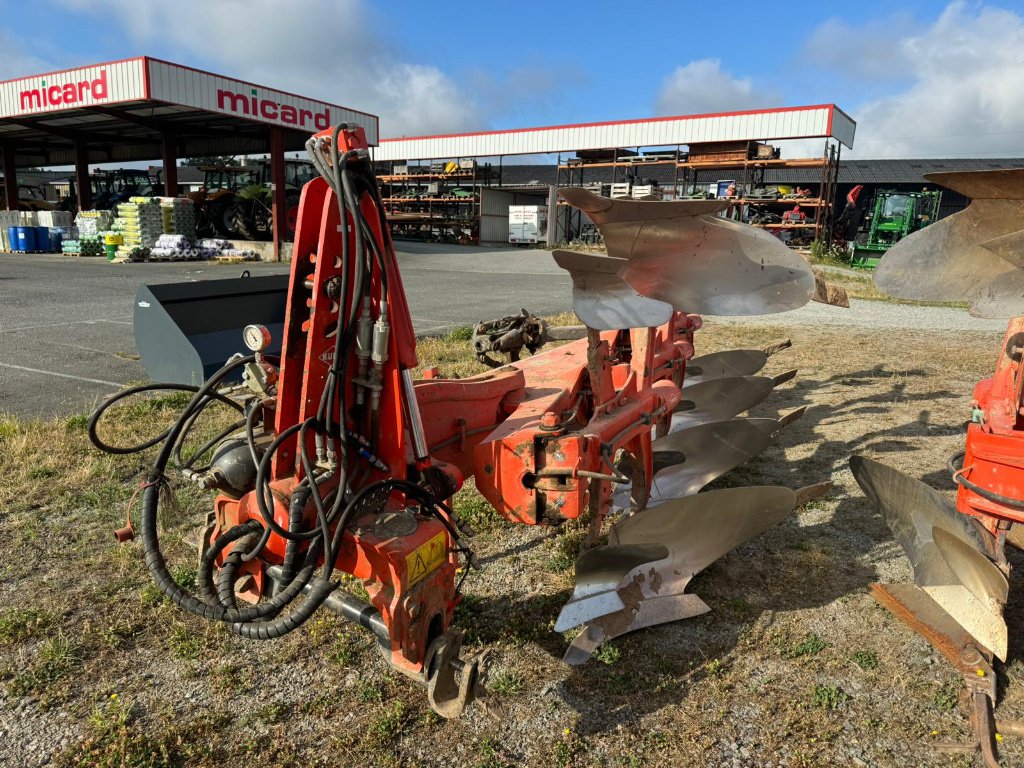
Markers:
point(921, 78)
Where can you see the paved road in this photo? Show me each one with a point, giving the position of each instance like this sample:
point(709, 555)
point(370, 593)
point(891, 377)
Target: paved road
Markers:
point(66, 323)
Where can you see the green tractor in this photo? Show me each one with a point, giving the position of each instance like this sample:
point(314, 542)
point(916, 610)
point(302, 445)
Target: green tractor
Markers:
point(251, 213)
point(896, 215)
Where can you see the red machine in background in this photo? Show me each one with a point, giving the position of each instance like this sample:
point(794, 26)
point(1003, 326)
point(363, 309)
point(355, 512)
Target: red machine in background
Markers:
point(341, 461)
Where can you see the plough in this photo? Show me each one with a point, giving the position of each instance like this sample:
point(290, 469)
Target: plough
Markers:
point(341, 461)
point(957, 550)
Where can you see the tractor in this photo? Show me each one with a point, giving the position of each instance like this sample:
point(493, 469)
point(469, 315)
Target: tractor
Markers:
point(895, 215)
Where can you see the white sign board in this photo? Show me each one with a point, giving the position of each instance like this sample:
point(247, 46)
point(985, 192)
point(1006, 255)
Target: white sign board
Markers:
point(73, 88)
point(191, 87)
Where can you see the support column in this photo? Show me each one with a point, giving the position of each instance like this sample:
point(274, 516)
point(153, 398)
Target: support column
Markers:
point(82, 176)
point(278, 190)
point(10, 178)
point(170, 158)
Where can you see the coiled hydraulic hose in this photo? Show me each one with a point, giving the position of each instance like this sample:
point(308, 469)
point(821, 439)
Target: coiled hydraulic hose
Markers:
point(957, 474)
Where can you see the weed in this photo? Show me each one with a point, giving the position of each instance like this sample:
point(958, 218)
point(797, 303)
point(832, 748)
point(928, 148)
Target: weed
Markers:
point(608, 654)
point(57, 658)
point(715, 668)
point(474, 510)
point(272, 713)
point(811, 645)
point(79, 422)
point(18, 624)
point(566, 749)
point(866, 660)
point(388, 725)
point(370, 692)
point(8, 426)
point(459, 333)
point(185, 644)
point(506, 681)
point(492, 755)
point(947, 697)
point(566, 549)
point(828, 696)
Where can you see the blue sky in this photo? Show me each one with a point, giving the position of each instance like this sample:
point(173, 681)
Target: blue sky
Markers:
point(921, 78)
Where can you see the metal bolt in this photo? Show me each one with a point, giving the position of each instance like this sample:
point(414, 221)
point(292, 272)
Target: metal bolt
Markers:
point(549, 421)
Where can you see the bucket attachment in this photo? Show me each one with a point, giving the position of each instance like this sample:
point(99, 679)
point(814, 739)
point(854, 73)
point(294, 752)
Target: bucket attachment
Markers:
point(681, 253)
point(687, 460)
point(695, 531)
point(731, 362)
point(951, 553)
point(720, 399)
point(602, 299)
point(185, 332)
point(969, 256)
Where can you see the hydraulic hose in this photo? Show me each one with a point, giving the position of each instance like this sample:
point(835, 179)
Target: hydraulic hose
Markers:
point(957, 474)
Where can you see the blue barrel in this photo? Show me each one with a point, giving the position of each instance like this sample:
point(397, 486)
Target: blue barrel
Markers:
point(24, 239)
point(12, 238)
point(43, 239)
point(56, 239)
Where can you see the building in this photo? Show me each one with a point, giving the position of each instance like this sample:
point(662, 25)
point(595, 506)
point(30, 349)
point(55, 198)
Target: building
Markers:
point(143, 109)
point(455, 186)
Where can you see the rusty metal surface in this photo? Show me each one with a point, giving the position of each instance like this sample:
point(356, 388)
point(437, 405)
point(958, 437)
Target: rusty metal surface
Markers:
point(681, 253)
point(913, 511)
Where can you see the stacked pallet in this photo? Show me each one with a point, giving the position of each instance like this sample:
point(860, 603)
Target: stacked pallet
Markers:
point(54, 219)
point(140, 221)
point(8, 219)
point(85, 245)
point(179, 217)
point(92, 222)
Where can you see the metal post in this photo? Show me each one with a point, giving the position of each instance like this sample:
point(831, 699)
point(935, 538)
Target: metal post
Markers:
point(278, 191)
point(170, 159)
point(10, 178)
point(82, 176)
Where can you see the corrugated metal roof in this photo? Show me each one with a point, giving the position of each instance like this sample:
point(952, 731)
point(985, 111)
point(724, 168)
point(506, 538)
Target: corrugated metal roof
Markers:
point(818, 121)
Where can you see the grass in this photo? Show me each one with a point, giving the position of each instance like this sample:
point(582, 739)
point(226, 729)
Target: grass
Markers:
point(19, 624)
point(811, 645)
point(85, 623)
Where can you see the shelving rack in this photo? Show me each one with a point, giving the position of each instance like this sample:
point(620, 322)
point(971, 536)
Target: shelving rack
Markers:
point(427, 204)
point(748, 174)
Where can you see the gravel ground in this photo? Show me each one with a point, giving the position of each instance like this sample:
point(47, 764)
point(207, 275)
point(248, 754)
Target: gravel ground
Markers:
point(876, 314)
point(795, 665)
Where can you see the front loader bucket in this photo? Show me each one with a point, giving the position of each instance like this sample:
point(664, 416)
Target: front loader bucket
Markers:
point(187, 331)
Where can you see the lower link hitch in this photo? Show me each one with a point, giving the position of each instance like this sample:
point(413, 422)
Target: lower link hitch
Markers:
point(452, 682)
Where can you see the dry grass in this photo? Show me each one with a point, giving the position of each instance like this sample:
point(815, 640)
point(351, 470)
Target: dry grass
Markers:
point(794, 666)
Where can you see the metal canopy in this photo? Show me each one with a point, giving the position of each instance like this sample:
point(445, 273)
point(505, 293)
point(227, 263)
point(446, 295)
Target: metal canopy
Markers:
point(123, 111)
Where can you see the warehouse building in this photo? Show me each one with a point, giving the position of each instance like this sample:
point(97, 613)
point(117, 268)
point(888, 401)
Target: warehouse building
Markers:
point(455, 187)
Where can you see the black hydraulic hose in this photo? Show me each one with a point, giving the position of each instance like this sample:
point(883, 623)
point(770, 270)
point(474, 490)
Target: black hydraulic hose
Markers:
point(959, 479)
point(228, 572)
point(213, 441)
point(106, 404)
point(244, 621)
point(262, 503)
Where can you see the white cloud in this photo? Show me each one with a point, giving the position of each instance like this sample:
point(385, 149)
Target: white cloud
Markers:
point(14, 61)
point(870, 51)
point(966, 92)
point(703, 86)
point(329, 49)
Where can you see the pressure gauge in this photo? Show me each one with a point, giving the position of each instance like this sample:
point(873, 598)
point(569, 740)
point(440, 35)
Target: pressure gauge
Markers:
point(256, 337)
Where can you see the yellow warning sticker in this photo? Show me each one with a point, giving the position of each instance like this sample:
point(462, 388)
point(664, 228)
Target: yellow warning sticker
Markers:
point(426, 558)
